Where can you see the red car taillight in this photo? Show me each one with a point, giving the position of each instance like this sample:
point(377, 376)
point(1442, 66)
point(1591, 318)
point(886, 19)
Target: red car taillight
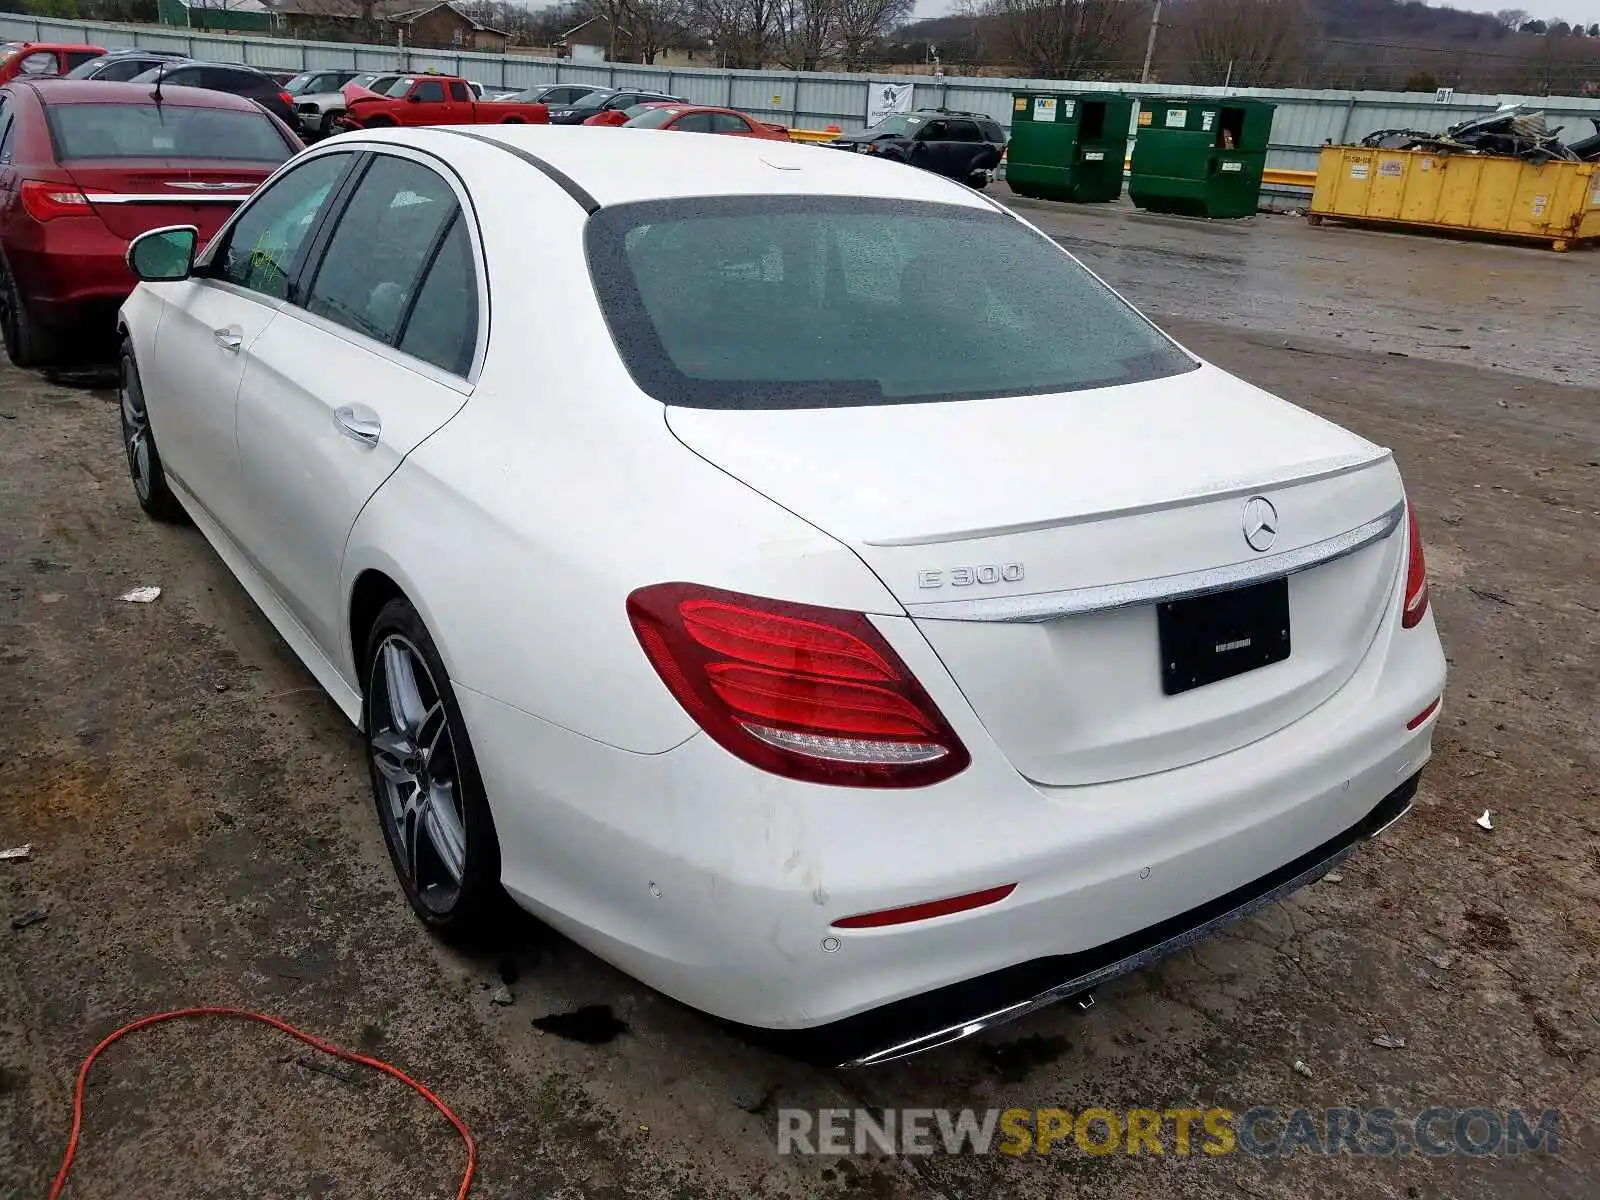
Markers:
point(809, 693)
point(1416, 574)
point(47, 201)
point(288, 100)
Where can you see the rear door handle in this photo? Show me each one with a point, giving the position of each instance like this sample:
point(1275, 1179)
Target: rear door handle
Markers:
point(358, 423)
point(229, 337)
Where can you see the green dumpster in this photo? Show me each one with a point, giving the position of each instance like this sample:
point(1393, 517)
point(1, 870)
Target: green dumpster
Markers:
point(1068, 145)
point(1201, 157)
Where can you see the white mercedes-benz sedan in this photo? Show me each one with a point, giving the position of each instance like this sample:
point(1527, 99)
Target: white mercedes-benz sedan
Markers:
point(789, 574)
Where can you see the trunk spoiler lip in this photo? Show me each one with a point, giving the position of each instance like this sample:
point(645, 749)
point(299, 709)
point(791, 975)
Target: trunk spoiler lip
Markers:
point(1312, 472)
point(1068, 602)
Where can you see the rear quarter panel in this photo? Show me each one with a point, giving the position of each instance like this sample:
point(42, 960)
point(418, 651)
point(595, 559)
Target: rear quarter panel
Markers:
point(520, 528)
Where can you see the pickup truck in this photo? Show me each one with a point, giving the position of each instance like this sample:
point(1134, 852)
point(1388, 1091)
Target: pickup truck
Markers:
point(436, 100)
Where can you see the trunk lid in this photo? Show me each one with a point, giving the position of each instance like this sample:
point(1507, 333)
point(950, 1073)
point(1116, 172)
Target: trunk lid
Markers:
point(133, 196)
point(1063, 510)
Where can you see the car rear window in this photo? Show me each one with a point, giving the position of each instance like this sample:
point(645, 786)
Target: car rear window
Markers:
point(815, 302)
point(163, 131)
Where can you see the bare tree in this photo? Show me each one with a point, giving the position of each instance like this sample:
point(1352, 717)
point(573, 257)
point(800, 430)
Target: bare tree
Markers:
point(1069, 39)
point(805, 32)
point(1249, 43)
point(743, 31)
point(651, 25)
point(1511, 18)
point(863, 23)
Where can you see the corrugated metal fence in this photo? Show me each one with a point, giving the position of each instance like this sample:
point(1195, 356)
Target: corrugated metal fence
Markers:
point(1304, 120)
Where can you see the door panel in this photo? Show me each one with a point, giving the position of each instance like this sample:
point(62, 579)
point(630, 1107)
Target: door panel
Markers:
point(191, 382)
point(212, 321)
point(328, 409)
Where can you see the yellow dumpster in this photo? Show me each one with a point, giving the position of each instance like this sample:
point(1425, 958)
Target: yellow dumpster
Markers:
point(1553, 202)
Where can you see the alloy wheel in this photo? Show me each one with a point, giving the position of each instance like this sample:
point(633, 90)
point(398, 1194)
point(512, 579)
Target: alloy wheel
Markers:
point(414, 761)
point(135, 429)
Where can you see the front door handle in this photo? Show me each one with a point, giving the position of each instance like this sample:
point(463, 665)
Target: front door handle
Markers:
point(358, 423)
point(229, 337)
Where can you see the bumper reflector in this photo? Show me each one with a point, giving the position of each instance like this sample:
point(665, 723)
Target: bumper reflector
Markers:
point(1423, 715)
point(922, 912)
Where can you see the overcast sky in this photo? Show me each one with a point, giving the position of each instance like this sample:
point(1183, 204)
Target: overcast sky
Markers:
point(1587, 11)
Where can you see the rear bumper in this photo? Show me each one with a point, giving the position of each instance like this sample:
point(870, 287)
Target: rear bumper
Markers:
point(719, 885)
point(954, 1013)
point(68, 281)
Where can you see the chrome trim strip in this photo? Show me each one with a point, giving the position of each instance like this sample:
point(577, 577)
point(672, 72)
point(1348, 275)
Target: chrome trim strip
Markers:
point(164, 198)
point(1329, 468)
point(1125, 966)
point(1047, 606)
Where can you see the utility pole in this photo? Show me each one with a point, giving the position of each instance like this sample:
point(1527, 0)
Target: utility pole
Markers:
point(1150, 46)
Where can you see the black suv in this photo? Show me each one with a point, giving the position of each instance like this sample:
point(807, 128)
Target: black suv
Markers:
point(605, 100)
point(964, 146)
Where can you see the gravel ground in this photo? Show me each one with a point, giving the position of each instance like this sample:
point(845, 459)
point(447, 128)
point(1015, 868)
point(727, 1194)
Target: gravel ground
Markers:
point(202, 834)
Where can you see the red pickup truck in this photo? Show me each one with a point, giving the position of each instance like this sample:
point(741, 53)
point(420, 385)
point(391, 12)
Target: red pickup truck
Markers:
point(436, 100)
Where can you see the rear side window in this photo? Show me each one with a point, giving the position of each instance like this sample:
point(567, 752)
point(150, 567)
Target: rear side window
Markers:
point(991, 131)
point(387, 235)
point(728, 123)
point(458, 91)
point(120, 72)
point(163, 131)
point(76, 58)
point(693, 123)
point(443, 325)
point(900, 302)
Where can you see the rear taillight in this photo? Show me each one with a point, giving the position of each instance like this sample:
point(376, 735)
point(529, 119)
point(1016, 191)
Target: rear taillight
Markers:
point(808, 693)
point(1416, 573)
point(47, 201)
point(287, 99)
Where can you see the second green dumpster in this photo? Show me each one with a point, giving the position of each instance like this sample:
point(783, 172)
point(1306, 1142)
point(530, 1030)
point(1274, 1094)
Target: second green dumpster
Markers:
point(1068, 145)
point(1200, 157)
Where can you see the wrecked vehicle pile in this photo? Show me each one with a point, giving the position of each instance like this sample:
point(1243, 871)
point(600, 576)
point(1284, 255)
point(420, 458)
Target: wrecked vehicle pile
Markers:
point(1508, 132)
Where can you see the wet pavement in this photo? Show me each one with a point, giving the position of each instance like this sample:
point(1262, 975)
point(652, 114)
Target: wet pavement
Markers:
point(203, 832)
point(1502, 306)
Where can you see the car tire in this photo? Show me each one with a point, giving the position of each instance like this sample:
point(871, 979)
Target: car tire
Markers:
point(139, 443)
point(28, 344)
point(425, 782)
point(978, 179)
point(329, 125)
point(513, 121)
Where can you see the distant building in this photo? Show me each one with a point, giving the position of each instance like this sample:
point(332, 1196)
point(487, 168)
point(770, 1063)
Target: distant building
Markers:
point(593, 40)
point(440, 26)
point(229, 16)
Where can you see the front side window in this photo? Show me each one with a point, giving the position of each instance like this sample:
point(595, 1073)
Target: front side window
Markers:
point(387, 234)
point(163, 131)
point(430, 92)
point(262, 245)
point(900, 302)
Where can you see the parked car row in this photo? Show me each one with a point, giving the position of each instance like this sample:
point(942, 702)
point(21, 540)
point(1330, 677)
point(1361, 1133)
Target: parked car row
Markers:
point(916, 657)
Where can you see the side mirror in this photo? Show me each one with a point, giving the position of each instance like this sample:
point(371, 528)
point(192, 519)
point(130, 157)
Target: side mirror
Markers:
point(163, 255)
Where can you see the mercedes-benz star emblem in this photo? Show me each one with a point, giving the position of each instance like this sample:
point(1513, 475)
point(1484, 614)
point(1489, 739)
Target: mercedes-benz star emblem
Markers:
point(1260, 523)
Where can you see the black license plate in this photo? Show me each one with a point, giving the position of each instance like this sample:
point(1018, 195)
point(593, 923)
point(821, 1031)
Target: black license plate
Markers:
point(1215, 637)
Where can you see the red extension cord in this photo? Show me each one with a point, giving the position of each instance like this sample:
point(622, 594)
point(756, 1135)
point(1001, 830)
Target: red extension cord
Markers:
point(315, 1043)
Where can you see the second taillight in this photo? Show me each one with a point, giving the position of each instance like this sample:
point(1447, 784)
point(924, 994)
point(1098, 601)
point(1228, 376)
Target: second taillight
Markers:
point(1416, 602)
point(805, 692)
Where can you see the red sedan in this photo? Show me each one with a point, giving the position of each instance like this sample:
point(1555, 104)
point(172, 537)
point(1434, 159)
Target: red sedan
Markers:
point(84, 167)
point(702, 118)
point(616, 117)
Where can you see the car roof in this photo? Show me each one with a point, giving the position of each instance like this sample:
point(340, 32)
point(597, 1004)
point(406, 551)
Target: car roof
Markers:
point(56, 46)
point(95, 91)
point(651, 167)
point(231, 66)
